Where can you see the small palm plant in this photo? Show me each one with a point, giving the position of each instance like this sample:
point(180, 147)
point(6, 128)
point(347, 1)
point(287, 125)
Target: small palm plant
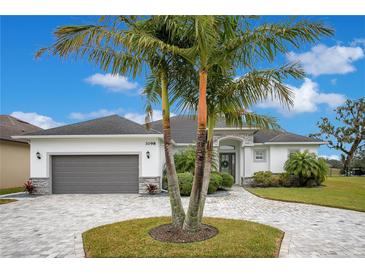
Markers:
point(307, 168)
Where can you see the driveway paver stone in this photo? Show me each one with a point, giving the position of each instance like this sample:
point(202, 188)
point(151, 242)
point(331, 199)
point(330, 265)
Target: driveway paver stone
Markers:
point(51, 226)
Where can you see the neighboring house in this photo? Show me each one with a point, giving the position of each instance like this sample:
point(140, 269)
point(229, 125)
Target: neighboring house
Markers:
point(14, 154)
point(115, 155)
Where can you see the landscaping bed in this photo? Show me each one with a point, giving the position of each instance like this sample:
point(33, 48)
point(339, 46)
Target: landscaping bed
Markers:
point(131, 239)
point(6, 201)
point(340, 192)
point(168, 233)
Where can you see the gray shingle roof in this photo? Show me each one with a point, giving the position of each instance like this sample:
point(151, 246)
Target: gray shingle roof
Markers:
point(221, 123)
point(183, 130)
point(10, 126)
point(270, 136)
point(113, 124)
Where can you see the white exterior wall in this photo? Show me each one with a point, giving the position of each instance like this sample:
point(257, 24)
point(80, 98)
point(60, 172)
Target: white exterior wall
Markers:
point(151, 167)
point(247, 163)
point(260, 165)
point(276, 156)
point(279, 155)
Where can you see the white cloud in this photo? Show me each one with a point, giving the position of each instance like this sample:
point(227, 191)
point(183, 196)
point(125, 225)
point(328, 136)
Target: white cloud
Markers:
point(306, 99)
point(36, 119)
point(334, 81)
point(358, 42)
point(330, 157)
point(136, 117)
point(114, 83)
point(328, 60)
point(94, 114)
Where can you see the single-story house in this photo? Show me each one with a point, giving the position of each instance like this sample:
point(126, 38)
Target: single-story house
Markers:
point(14, 153)
point(115, 155)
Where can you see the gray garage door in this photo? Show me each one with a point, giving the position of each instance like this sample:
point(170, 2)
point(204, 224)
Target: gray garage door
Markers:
point(95, 174)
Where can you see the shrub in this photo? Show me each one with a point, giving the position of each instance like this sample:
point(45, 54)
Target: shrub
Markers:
point(185, 183)
point(29, 187)
point(151, 188)
point(275, 181)
point(262, 178)
point(228, 180)
point(287, 180)
point(185, 160)
point(323, 170)
point(309, 170)
point(215, 182)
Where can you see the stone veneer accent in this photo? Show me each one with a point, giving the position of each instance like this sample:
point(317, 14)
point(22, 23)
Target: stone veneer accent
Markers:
point(247, 138)
point(41, 185)
point(247, 181)
point(144, 181)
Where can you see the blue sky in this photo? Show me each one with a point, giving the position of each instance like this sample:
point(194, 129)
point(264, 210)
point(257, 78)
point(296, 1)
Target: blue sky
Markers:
point(51, 92)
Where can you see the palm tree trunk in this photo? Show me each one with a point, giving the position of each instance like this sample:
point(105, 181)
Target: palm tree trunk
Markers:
point(177, 210)
point(207, 167)
point(192, 220)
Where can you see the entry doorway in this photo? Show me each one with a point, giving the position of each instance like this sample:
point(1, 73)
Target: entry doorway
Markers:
point(227, 163)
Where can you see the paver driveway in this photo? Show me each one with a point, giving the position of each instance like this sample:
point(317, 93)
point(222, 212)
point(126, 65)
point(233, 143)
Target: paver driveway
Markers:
point(51, 226)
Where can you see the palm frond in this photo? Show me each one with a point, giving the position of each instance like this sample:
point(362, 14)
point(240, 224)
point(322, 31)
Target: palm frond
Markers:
point(267, 40)
point(260, 85)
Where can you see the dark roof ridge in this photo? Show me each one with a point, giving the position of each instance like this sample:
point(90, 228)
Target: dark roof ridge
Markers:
point(190, 117)
point(107, 125)
point(11, 126)
point(141, 126)
point(288, 134)
point(15, 118)
point(279, 135)
point(74, 124)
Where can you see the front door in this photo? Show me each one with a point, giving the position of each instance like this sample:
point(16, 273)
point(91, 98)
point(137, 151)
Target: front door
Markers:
point(227, 163)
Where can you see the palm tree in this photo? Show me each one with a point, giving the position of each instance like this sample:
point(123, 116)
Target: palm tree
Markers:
point(219, 40)
point(229, 98)
point(208, 33)
point(112, 48)
point(214, 41)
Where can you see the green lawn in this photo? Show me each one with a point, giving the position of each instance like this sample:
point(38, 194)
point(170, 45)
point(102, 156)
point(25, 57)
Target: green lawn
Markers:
point(6, 201)
point(4, 191)
point(341, 192)
point(130, 239)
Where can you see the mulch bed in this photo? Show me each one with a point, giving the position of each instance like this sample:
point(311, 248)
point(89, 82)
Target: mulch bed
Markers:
point(168, 233)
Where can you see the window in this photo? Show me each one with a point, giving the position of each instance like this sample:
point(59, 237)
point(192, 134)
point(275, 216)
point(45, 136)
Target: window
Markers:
point(260, 155)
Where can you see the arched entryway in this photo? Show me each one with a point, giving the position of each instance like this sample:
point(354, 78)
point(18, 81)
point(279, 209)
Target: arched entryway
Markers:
point(230, 156)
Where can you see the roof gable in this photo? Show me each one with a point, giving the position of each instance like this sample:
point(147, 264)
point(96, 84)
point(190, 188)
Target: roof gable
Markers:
point(183, 130)
point(108, 125)
point(10, 126)
point(271, 136)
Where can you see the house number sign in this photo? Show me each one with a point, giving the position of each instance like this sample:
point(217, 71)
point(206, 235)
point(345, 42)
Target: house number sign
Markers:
point(150, 143)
